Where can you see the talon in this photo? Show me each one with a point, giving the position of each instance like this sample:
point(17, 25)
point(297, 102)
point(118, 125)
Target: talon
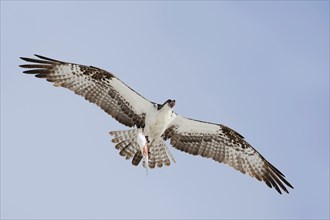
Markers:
point(147, 139)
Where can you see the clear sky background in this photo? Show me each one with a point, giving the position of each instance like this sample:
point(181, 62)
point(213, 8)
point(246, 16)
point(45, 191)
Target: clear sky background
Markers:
point(259, 67)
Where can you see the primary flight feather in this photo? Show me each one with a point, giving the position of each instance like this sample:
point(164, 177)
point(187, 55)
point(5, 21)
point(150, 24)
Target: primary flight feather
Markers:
point(157, 122)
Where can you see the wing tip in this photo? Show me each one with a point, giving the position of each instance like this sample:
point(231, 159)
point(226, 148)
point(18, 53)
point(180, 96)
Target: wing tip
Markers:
point(45, 58)
point(277, 178)
point(25, 59)
point(42, 59)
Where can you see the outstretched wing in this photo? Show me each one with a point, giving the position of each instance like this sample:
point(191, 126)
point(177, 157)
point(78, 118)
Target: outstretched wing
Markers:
point(224, 145)
point(96, 85)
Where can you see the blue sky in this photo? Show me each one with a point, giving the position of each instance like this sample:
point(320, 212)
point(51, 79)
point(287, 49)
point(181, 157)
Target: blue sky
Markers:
point(259, 67)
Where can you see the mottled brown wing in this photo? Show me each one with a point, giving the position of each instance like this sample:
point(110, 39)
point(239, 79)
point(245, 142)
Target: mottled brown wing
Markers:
point(224, 145)
point(95, 85)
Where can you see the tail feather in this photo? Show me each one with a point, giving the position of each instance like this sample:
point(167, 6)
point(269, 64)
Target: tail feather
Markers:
point(123, 132)
point(123, 144)
point(125, 141)
point(129, 151)
point(137, 158)
point(152, 159)
point(165, 159)
point(123, 138)
point(169, 153)
point(158, 158)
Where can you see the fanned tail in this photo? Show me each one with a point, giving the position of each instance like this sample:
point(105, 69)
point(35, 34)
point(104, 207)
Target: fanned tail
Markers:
point(126, 143)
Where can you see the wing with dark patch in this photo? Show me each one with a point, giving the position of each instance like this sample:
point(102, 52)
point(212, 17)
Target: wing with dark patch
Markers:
point(224, 145)
point(95, 85)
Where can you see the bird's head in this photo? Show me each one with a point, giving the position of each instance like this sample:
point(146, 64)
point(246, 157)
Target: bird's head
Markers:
point(170, 103)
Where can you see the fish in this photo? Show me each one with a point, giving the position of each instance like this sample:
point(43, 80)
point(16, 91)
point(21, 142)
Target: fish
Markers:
point(143, 144)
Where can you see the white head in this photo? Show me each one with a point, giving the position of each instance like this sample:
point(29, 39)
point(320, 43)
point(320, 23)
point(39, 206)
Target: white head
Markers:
point(169, 103)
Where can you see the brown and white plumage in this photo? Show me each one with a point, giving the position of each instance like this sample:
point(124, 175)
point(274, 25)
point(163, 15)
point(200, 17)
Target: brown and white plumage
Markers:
point(223, 145)
point(157, 121)
point(95, 85)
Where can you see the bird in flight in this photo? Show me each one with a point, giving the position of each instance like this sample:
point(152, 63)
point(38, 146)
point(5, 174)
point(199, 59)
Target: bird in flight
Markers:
point(156, 123)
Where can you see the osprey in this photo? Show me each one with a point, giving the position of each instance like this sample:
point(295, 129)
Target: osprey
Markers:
point(156, 123)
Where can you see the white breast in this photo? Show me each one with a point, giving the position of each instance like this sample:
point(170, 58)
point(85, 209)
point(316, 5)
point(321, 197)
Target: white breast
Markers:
point(157, 122)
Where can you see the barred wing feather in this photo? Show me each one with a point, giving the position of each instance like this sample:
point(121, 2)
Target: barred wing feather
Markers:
point(224, 145)
point(95, 85)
